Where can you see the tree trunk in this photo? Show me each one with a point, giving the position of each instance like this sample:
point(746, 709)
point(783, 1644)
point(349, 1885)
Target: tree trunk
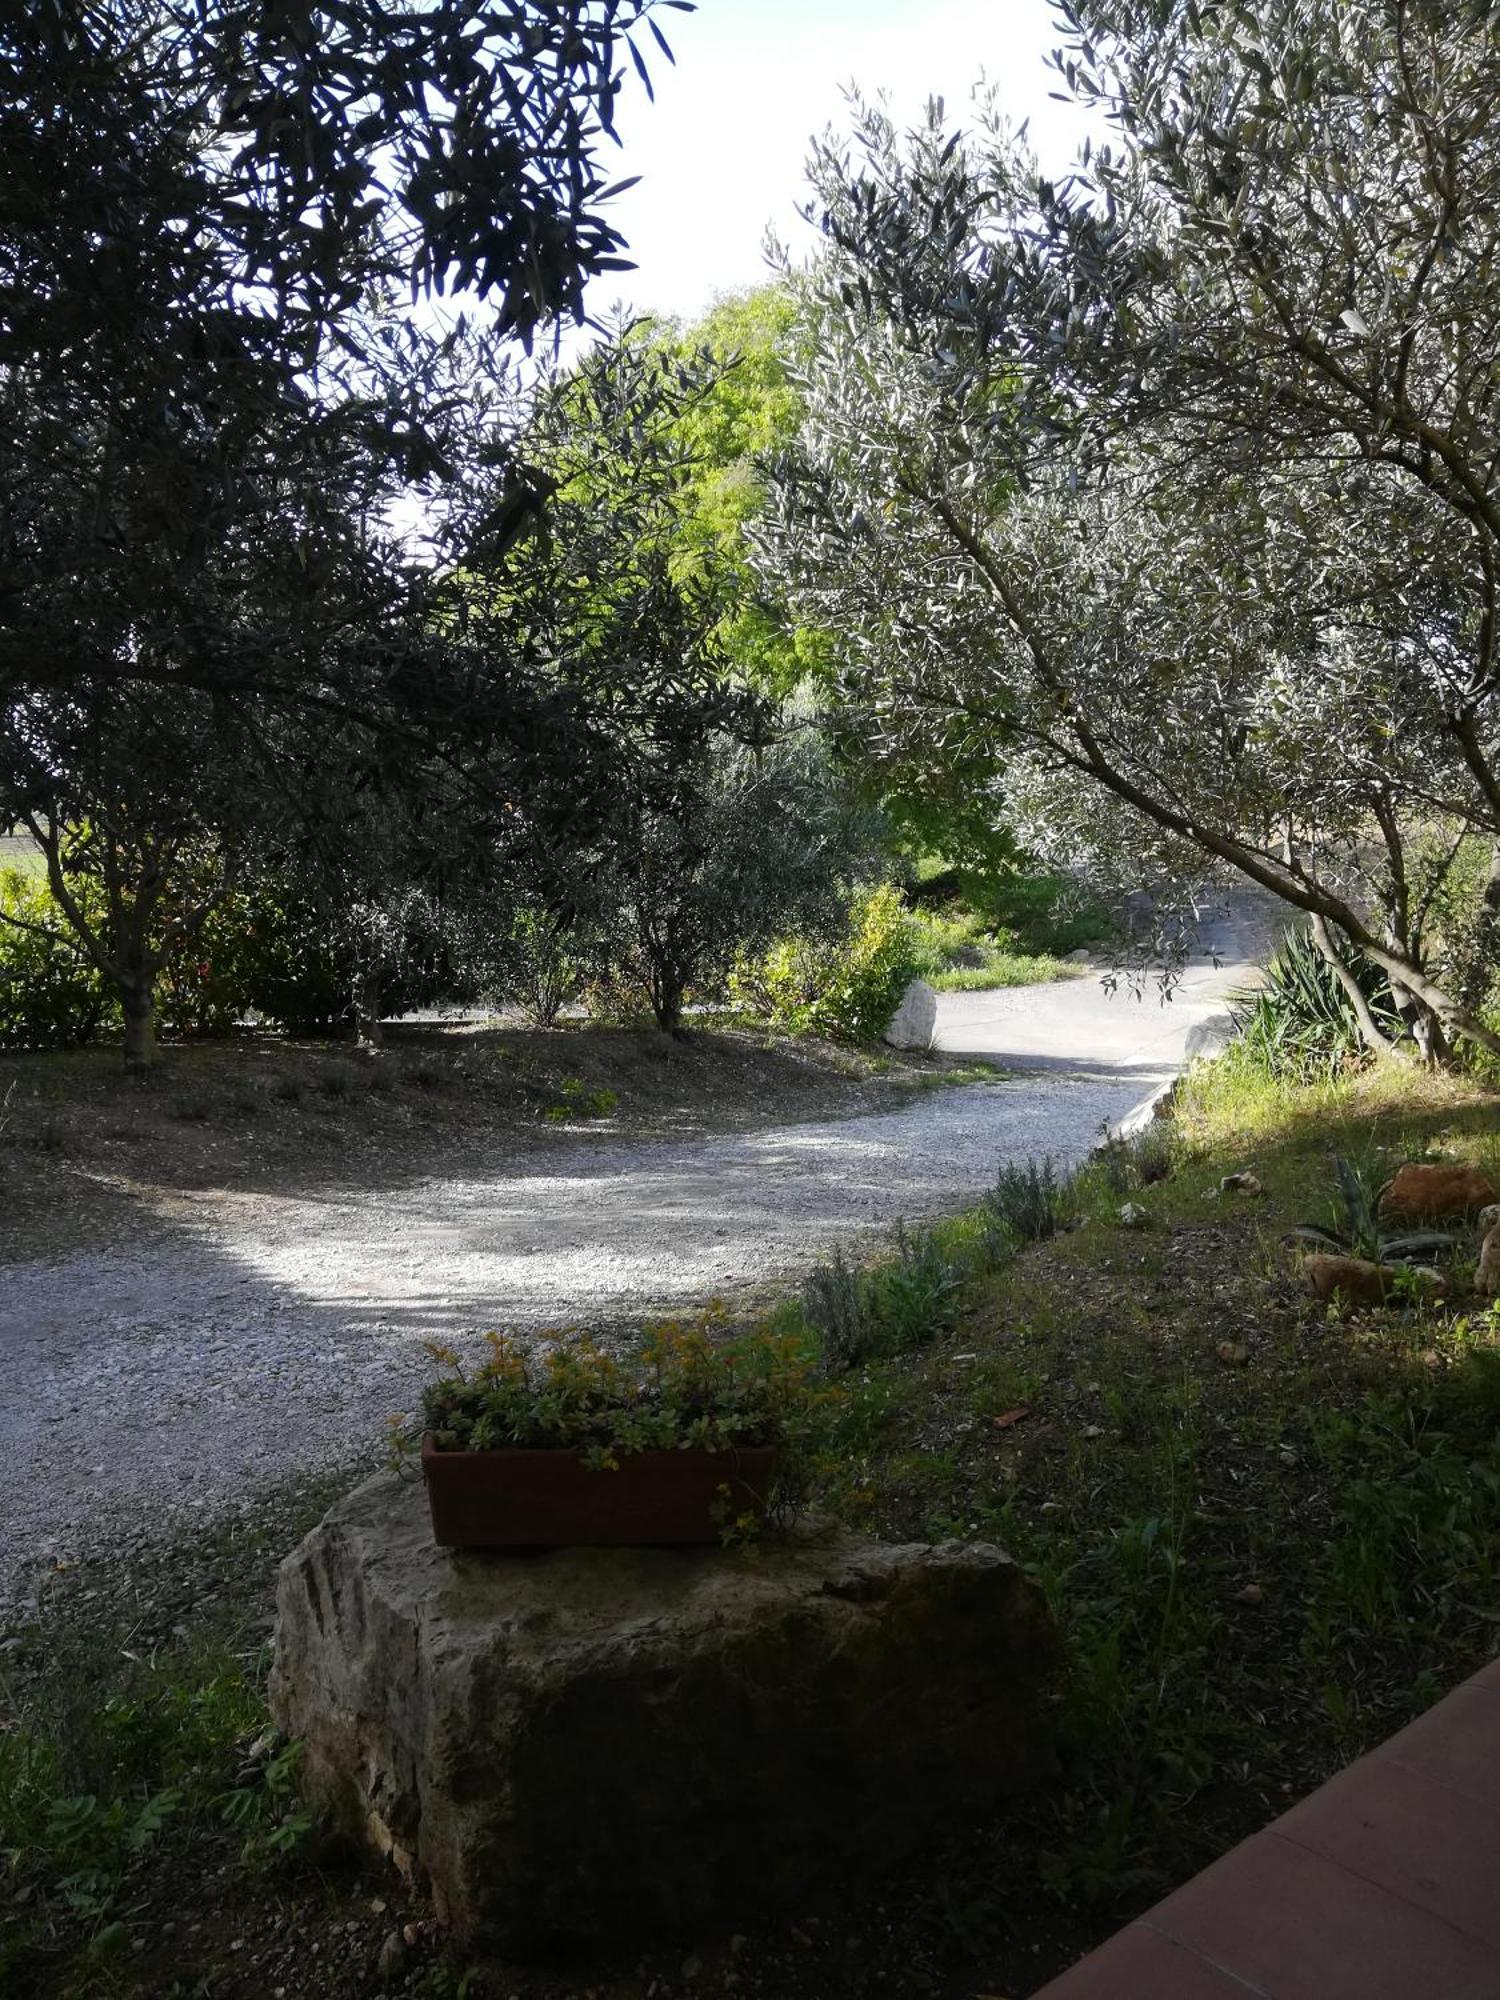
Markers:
point(1433, 1046)
point(367, 1031)
point(1369, 1029)
point(138, 1005)
point(666, 1004)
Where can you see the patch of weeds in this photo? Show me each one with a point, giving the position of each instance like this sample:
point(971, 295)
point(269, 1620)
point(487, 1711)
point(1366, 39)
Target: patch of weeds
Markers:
point(1417, 1545)
point(98, 1764)
point(834, 1301)
point(54, 1135)
point(265, 1807)
point(338, 1083)
point(1126, 1165)
point(903, 1301)
point(577, 1102)
point(194, 1108)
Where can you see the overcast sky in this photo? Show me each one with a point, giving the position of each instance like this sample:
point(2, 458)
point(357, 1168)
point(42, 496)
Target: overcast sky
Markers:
point(721, 150)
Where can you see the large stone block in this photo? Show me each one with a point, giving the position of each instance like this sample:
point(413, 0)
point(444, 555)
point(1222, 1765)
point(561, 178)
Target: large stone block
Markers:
point(611, 1743)
point(914, 1022)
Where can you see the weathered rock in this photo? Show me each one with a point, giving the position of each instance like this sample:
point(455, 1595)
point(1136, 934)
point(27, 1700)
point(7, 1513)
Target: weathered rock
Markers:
point(1361, 1283)
point(1435, 1193)
point(615, 1742)
point(914, 1022)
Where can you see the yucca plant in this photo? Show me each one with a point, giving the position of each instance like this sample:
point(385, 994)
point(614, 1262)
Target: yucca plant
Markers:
point(1301, 1023)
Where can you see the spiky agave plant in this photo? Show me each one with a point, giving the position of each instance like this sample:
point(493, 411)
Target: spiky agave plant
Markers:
point(1359, 1233)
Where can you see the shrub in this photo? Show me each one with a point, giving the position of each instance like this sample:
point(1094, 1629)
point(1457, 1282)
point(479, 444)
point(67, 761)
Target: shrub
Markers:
point(51, 996)
point(577, 1101)
point(900, 1303)
point(541, 962)
point(834, 1300)
point(1148, 1156)
point(1027, 1202)
point(846, 986)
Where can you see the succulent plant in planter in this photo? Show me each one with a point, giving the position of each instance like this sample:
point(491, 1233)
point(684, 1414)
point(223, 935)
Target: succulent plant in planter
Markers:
point(690, 1440)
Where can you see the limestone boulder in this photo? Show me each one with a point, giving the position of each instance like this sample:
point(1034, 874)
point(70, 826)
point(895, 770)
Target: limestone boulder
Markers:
point(914, 1022)
point(617, 1743)
point(1360, 1283)
point(1440, 1192)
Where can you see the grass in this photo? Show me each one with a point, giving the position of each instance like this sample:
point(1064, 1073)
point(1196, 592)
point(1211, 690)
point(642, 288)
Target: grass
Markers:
point(1270, 1533)
point(1003, 968)
point(976, 933)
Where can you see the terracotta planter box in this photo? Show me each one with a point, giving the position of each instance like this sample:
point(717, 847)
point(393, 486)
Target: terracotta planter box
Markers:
point(551, 1499)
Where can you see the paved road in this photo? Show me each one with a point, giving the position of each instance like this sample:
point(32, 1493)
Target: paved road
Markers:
point(1082, 1029)
point(277, 1334)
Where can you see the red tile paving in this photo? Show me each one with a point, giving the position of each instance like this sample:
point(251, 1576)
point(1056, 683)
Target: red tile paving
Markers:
point(1383, 1885)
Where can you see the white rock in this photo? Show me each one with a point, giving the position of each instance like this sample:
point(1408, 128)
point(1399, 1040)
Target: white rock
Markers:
point(915, 1021)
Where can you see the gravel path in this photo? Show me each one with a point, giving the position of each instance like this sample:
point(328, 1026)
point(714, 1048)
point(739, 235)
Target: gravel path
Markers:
point(271, 1336)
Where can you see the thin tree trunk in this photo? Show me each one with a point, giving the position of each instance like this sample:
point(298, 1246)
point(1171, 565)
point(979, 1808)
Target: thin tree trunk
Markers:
point(1433, 1046)
point(367, 1029)
point(1369, 1029)
point(138, 1005)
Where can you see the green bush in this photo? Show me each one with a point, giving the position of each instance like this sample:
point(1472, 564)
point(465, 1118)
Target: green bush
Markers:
point(51, 997)
point(1027, 1203)
point(268, 950)
point(846, 986)
point(1035, 914)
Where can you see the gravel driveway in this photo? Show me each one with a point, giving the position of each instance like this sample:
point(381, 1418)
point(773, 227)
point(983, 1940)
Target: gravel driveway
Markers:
point(276, 1335)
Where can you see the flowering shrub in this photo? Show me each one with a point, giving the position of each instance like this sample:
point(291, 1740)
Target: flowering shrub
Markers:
point(689, 1387)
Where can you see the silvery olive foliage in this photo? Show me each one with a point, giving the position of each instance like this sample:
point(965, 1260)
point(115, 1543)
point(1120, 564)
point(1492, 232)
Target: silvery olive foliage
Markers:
point(1166, 500)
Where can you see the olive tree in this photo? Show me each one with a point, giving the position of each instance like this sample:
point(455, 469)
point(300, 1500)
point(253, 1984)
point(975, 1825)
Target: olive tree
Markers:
point(1164, 498)
point(723, 855)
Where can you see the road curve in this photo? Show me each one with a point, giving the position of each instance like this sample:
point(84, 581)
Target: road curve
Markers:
point(276, 1335)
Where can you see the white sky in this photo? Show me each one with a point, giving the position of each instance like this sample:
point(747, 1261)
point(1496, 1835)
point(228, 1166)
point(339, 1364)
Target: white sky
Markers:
point(721, 150)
